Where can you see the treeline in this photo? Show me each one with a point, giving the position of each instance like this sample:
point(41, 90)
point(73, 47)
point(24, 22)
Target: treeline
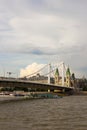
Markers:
point(82, 84)
point(12, 89)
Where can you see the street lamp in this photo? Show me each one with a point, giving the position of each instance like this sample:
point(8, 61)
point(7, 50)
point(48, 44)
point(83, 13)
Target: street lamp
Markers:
point(9, 73)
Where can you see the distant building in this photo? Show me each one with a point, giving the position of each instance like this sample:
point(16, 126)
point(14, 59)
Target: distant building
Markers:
point(41, 79)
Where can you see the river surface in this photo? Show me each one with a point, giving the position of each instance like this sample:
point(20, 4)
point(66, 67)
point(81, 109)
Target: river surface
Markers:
point(67, 113)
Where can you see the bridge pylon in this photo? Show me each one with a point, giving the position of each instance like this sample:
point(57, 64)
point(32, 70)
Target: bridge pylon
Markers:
point(63, 74)
point(49, 74)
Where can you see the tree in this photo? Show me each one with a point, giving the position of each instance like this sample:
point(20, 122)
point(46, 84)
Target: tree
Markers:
point(73, 76)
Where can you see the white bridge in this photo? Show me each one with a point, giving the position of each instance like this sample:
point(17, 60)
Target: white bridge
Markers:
point(51, 68)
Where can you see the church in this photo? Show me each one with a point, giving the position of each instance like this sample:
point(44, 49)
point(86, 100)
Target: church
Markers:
point(69, 80)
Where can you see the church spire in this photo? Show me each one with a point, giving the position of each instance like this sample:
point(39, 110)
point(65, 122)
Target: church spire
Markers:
point(57, 76)
point(57, 72)
point(68, 72)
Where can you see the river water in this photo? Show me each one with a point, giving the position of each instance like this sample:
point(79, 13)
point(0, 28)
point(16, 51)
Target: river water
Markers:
point(67, 113)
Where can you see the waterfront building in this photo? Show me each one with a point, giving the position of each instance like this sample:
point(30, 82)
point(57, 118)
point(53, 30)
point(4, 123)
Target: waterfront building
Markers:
point(68, 77)
point(41, 79)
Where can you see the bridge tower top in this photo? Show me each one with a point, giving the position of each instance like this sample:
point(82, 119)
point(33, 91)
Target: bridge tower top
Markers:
point(49, 74)
point(63, 71)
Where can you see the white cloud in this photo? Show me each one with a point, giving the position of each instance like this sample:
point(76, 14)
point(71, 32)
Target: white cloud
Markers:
point(31, 69)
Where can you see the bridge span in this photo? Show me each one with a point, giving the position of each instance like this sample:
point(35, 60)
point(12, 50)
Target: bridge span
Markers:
point(33, 85)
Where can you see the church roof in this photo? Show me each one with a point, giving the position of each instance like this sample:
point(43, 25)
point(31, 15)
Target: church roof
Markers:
point(68, 72)
point(57, 72)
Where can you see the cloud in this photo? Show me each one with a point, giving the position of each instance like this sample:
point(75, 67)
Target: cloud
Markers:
point(45, 28)
point(31, 69)
point(35, 29)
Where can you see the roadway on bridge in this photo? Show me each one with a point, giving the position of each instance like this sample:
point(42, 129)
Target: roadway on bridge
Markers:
point(31, 84)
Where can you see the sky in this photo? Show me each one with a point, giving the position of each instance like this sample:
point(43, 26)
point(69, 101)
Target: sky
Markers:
point(41, 32)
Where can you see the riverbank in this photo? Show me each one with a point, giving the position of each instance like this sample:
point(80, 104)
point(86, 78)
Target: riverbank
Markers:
point(29, 96)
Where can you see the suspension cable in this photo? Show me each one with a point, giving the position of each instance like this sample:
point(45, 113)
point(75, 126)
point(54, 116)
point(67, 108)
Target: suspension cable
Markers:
point(50, 71)
point(42, 69)
point(55, 69)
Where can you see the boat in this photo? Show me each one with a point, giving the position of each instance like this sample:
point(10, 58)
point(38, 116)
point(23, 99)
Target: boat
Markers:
point(43, 96)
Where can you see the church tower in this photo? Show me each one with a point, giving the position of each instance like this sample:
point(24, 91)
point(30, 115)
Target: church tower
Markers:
point(68, 77)
point(57, 76)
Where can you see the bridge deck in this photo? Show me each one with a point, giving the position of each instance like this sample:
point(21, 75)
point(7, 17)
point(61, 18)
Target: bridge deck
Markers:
point(30, 84)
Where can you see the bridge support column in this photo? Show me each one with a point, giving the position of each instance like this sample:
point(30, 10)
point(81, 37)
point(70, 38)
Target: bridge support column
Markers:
point(49, 69)
point(63, 90)
point(62, 74)
point(49, 90)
